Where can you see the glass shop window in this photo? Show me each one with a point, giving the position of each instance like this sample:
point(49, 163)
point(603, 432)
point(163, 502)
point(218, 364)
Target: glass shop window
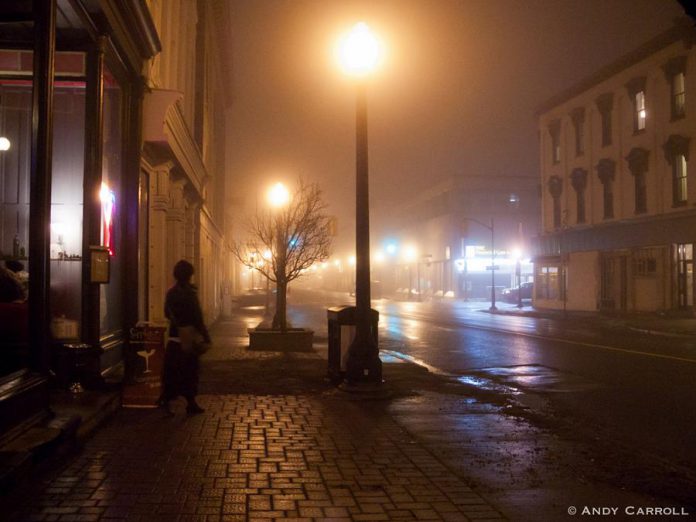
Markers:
point(67, 205)
point(16, 85)
point(15, 138)
point(546, 282)
point(112, 204)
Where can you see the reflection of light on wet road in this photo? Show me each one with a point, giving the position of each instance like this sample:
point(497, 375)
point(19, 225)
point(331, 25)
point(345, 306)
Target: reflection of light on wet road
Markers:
point(414, 360)
point(464, 317)
point(488, 385)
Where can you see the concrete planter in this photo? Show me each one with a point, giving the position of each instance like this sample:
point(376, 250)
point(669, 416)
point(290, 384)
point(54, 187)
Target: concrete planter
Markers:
point(293, 340)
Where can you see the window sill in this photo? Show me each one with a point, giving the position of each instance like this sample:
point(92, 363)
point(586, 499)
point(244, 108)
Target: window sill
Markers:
point(680, 204)
point(677, 117)
point(638, 132)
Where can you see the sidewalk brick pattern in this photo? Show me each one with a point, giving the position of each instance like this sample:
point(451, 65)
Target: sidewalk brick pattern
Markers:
point(253, 458)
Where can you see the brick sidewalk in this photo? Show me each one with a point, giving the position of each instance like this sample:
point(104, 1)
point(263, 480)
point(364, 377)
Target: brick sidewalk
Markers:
point(253, 456)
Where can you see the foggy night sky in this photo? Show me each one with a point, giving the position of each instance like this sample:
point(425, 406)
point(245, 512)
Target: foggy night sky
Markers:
point(456, 95)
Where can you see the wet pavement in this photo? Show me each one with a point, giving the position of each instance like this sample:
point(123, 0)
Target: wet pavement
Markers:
point(278, 441)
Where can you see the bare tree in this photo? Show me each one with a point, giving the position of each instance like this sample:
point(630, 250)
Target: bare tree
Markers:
point(284, 242)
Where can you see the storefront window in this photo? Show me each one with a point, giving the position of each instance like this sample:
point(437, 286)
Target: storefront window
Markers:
point(16, 87)
point(546, 282)
point(112, 204)
point(66, 209)
point(15, 138)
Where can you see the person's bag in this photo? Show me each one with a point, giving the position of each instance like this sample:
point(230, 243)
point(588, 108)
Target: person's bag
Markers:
point(192, 341)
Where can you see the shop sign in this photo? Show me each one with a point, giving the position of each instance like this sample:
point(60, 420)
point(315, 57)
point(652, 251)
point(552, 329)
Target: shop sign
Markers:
point(146, 346)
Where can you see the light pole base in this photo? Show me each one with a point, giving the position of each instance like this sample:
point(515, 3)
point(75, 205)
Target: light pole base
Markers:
point(366, 390)
point(493, 309)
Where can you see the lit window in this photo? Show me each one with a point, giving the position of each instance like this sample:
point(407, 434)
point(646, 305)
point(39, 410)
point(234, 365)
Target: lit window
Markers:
point(679, 180)
point(640, 111)
point(678, 95)
point(675, 69)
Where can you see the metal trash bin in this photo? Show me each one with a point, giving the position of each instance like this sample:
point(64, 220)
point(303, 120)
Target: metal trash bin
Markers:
point(341, 334)
point(77, 364)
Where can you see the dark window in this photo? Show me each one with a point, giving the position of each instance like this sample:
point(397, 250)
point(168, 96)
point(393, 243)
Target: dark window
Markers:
point(578, 117)
point(555, 133)
point(638, 165)
point(579, 181)
point(555, 189)
point(605, 104)
point(605, 170)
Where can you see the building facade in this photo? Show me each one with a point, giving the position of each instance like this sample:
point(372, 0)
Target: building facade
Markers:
point(112, 167)
point(618, 187)
point(441, 243)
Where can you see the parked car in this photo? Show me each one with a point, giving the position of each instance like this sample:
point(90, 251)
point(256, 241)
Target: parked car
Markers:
point(510, 295)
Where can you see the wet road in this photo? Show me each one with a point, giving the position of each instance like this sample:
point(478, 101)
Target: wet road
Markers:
point(635, 390)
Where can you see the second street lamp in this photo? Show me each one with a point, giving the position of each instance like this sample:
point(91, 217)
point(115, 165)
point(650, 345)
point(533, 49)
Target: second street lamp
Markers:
point(359, 53)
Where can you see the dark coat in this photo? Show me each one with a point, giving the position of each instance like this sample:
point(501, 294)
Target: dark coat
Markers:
point(180, 372)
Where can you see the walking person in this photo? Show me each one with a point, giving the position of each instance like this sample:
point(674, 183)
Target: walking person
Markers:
point(188, 339)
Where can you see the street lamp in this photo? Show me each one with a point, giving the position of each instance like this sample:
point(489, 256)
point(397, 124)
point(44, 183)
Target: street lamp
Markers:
point(359, 53)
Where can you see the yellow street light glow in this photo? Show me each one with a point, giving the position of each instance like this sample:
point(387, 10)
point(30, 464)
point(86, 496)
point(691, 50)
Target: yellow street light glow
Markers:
point(351, 260)
point(410, 253)
point(359, 52)
point(4, 143)
point(379, 257)
point(278, 195)
point(267, 254)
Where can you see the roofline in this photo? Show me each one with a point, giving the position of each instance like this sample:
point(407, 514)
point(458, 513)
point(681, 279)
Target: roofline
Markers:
point(683, 29)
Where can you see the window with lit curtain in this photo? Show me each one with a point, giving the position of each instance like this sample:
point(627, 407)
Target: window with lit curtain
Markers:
point(678, 95)
point(679, 173)
point(640, 113)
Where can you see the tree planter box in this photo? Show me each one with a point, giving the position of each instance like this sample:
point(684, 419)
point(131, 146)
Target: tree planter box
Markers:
point(293, 340)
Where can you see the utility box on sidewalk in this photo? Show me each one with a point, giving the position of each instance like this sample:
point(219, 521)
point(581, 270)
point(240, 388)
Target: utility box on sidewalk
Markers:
point(341, 334)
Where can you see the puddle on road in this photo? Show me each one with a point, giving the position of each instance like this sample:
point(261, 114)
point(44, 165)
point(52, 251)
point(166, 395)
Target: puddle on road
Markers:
point(531, 378)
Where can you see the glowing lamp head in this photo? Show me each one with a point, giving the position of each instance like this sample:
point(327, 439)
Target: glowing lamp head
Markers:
point(359, 52)
point(410, 253)
point(278, 195)
point(4, 144)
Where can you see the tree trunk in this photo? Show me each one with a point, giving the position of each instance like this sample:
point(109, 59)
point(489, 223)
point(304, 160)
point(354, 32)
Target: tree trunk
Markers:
point(280, 321)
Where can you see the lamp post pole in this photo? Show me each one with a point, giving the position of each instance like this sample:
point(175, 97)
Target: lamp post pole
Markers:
point(518, 273)
point(363, 364)
point(492, 227)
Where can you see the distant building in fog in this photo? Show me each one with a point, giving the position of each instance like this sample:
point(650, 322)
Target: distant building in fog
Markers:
point(439, 249)
point(618, 186)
